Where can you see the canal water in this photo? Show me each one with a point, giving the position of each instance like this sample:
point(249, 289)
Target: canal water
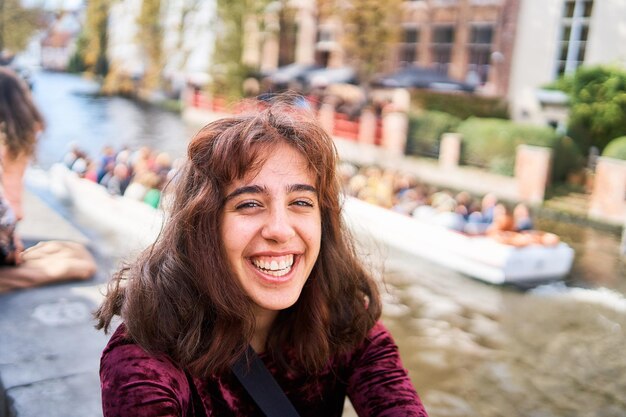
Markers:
point(472, 349)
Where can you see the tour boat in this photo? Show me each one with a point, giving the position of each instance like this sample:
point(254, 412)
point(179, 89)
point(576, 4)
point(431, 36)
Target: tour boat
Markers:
point(479, 257)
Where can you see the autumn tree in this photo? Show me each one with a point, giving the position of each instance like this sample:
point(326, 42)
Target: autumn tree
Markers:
point(228, 68)
point(17, 25)
point(370, 27)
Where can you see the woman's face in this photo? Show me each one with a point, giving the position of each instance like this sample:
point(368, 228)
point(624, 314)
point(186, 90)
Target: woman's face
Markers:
point(271, 229)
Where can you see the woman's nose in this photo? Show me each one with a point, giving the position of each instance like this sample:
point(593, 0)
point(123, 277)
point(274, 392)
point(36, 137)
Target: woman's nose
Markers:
point(278, 226)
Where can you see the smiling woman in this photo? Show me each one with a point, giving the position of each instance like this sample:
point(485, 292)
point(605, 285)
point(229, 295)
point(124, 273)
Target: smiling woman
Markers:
point(254, 254)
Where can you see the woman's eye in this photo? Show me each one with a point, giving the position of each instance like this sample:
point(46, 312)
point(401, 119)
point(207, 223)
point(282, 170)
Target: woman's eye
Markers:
point(247, 205)
point(303, 203)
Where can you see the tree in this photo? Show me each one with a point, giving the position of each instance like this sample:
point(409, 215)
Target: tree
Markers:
point(597, 105)
point(96, 37)
point(17, 25)
point(228, 70)
point(151, 39)
point(370, 29)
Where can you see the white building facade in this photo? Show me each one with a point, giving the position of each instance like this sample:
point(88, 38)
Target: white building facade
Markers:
point(555, 37)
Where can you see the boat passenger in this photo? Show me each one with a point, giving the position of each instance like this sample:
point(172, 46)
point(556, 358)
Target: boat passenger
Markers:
point(522, 219)
point(254, 257)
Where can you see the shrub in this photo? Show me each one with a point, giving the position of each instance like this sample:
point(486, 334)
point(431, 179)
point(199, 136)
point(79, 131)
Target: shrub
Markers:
point(459, 104)
point(492, 143)
point(425, 132)
point(616, 148)
point(597, 105)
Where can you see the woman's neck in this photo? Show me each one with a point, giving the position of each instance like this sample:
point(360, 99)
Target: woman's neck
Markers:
point(264, 321)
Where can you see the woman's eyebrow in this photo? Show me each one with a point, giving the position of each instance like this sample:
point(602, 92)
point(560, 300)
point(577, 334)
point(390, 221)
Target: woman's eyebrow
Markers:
point(257, 189)
point(301, 187)
point(248, 189)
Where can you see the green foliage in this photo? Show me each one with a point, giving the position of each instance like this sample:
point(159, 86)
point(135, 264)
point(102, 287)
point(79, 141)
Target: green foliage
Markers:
point(425, 132)
point(17, 25)
point(77, 61)
point(460, 105)
point(598, 105)
point(96, 35)
point(228, 70)
point(492, 143)
point(370, 28)
point(616, 148)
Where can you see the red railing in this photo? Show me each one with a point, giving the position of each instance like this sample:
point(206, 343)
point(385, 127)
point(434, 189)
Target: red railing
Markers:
point(345, 128)
point(342, 126)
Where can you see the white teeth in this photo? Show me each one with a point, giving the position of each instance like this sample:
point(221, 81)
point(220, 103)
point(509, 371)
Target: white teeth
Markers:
point(274, 267)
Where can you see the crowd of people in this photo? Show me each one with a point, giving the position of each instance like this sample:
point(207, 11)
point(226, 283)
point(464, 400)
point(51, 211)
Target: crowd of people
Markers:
point(140, 174)
point(462, 212)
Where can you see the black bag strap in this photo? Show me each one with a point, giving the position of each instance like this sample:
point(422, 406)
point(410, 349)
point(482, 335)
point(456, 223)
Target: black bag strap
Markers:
point(196, 408)
point(262, 386)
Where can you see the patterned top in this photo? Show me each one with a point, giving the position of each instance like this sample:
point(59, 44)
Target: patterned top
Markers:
point(135, 383)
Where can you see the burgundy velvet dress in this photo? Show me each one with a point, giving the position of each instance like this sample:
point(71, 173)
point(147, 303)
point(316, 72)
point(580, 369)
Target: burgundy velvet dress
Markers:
point(137, 384)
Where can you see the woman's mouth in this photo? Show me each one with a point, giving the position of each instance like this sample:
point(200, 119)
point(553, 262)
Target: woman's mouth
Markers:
point(276, 266)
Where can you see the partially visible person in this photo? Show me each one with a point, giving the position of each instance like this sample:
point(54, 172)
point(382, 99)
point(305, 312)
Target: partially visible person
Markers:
point(46, 262)
point(20, 123)
point(502, 220)
point(522, 218)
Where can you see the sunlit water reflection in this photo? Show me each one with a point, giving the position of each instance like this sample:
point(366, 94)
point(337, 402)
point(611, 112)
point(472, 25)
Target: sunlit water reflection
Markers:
point(472, 349)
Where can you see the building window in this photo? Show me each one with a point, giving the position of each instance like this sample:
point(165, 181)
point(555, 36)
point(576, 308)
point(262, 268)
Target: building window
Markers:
point(479, 54)
point(408, 48)
point(441, 47)
point(573, 36)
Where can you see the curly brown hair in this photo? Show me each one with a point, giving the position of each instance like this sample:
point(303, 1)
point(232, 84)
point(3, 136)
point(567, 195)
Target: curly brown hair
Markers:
point(19, 118)
point(180, 296)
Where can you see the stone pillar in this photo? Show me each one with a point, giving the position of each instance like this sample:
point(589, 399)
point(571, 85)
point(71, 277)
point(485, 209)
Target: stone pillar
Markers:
point(532, 172)
point(326, 117)
point(367, 127)
point(395, 131)
point(450, 150)
point(608, 199)
point(270, 42)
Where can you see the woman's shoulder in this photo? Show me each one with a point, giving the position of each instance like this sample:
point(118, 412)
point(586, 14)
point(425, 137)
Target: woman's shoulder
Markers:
point(378, 339)
point(132, 378)
point(125, 359)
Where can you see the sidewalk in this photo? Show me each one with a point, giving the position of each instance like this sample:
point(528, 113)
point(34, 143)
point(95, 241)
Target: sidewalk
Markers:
point(49, 349)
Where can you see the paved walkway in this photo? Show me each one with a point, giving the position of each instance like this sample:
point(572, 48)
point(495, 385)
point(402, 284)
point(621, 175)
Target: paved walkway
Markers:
point(49, 349)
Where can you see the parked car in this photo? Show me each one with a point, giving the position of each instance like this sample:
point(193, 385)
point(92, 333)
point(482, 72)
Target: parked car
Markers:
point(289, 76)
point(420, 77)
point(323, 77)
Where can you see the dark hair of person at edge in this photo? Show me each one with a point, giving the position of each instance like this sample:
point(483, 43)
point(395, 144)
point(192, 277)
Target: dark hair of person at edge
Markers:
point(19, 118)
point(182, 298)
